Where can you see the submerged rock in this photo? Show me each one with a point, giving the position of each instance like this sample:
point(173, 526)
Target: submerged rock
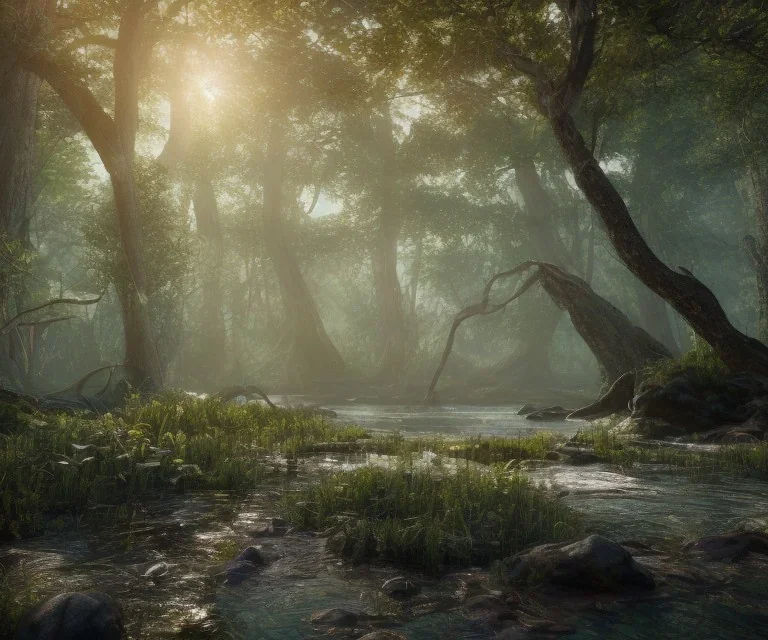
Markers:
point(730, 547)
point(334, 618)
point(74, 616)
point(550, 413)
point(156, 571)
point(400, 588)
point(594, 564)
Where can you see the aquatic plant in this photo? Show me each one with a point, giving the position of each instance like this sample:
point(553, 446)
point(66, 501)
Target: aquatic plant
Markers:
point(430, 519)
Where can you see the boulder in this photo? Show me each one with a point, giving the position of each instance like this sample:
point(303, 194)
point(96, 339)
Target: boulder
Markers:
point(584, 458)
point(334, 618)
point(549, 414)
point(593, 564)
point(236, 571)
point(74, 616)
point(400, 588)
point(382, 635)
point(698, 404)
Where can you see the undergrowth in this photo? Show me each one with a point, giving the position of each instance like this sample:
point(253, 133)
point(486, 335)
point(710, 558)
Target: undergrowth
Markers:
point(430, 519)
point(701, 359)
point(56, 469)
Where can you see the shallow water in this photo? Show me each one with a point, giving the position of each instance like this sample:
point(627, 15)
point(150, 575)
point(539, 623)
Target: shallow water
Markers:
point(189, 533)
point(459, 420)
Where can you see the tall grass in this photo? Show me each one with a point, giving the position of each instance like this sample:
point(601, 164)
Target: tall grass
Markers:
point(61, 467)
point(428, 519)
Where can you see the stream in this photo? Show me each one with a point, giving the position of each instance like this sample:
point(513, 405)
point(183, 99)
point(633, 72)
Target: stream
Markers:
point(193, 533)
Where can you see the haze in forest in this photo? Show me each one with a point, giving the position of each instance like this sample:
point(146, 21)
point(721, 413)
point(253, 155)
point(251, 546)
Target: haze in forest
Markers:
point(304, 195)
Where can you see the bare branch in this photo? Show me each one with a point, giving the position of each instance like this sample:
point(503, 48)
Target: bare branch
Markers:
point(76, 301)
point(94, 39)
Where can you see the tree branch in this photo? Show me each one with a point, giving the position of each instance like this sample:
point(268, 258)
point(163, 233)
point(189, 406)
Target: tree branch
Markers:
point(76, 301)
point(95, 39)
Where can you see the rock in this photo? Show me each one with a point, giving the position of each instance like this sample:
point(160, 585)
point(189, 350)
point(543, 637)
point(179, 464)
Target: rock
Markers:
point(594, 564)
point(490, 609)
point(336, 542)
point(526, 409)
point(549, 414)
point(156, 571)
point(697, 404)
point(730, 547)
point(400, 588)
point(236, 571)
point(74, 616)
point(334, 618)
point(253, 555)
point(739, 437)
point(616, 400)
point(382, 635)
point(552, 456)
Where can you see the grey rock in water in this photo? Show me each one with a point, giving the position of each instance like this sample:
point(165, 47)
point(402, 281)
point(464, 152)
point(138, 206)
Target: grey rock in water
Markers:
point(593, 564)
point(236, 571)
point(400, 588)
point(526, 409)
point(252, 554)
point(549, 414)
point(157, 571)
point(730, 547)
point(74, 616)
point(334, 618)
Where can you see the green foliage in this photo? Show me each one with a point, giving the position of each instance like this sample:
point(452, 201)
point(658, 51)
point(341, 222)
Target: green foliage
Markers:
point(701, 359)
point(431, 519)
point(70, 467)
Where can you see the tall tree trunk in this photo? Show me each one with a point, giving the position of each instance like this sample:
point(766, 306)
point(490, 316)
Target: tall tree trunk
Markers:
point(384, 254)
point(313, 356)
point(209, 227)
point(757, 246)
point(115, 142)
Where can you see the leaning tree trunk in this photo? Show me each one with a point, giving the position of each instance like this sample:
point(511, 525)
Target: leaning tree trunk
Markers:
point(312, 354)
point(556, 97)
point(688, 295)
point(617, 344)
point(384, 255)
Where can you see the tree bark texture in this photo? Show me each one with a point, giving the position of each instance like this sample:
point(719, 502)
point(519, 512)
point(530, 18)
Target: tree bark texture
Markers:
point(757, 246)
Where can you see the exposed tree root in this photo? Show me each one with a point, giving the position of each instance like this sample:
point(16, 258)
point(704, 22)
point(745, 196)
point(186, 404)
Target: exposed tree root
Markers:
point(615, 400)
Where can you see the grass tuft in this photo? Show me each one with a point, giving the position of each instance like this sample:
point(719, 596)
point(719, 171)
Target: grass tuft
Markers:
point(429, 519)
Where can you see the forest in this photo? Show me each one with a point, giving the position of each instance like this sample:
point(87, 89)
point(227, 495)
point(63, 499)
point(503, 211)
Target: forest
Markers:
point(383, 319)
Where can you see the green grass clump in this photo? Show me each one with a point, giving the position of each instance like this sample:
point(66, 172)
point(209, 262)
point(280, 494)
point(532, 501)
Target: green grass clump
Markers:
point(431, 520)
point(176, 440)
point(701, 359)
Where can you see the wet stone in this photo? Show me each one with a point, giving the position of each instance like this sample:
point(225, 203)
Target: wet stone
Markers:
point(74, 616)
point(400, 588)
point(334, 618)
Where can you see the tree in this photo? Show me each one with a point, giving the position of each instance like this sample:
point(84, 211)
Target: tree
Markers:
point(114, 139)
